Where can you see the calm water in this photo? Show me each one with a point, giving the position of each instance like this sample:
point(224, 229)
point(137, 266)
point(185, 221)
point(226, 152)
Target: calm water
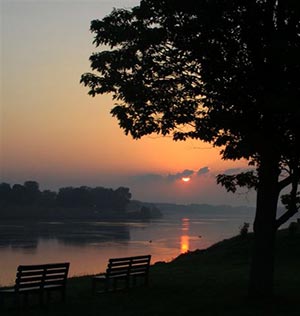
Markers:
point(88, 245)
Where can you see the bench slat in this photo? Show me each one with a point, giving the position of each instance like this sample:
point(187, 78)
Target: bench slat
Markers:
point(54, 282)
point(54, 277)
point(27, 280)
point(37, 284)
point(57, 271)
point(21, 274)
point(43, 266)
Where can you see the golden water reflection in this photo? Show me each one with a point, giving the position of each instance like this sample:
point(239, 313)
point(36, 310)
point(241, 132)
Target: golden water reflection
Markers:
point(184, 244)
point(185, 239)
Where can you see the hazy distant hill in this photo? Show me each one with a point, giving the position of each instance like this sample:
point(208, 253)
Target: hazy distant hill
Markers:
point(205, 209)
point(143, 210)
point(179, 210)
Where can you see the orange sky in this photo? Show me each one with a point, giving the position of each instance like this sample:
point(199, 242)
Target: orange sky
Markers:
point(54, 133)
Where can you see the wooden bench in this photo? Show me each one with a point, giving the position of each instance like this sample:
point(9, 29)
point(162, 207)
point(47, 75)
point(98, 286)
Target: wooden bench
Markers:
point(38, 279)
point(127, 270)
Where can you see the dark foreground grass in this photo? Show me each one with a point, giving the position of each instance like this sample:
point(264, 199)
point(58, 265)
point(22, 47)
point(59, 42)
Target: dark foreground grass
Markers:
point(211, 282)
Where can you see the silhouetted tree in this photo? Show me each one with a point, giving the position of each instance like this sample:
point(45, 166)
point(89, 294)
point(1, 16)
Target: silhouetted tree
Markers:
point(48, 198)
point(5, 193)
point(66, 197)
point(25, 201)
point(121, 199)
point(99, 198)
point(32, 192)
point(18, 195)
point(225, 72)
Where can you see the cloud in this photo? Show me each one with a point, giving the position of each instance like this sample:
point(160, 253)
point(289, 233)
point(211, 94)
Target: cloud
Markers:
point(203, 170)
point(179, 175)
point(232, 171)
point(155, 177)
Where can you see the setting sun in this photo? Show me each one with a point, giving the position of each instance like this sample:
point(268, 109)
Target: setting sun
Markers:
point(186, 179)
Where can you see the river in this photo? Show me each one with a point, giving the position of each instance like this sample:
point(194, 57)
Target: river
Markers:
point(88, 245)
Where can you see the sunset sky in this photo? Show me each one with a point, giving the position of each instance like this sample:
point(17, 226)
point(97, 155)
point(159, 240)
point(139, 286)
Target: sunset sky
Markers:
point(54, 133)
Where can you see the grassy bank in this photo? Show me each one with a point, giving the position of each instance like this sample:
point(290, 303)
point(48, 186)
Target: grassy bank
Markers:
point(210, 282)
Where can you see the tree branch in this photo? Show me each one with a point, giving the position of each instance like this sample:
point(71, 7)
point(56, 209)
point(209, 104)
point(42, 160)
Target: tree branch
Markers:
point(286, 216)
point(284, 183)
point(291, 201)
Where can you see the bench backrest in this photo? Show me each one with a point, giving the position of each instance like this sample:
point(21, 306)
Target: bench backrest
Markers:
point(128, 266)
point(40, 276)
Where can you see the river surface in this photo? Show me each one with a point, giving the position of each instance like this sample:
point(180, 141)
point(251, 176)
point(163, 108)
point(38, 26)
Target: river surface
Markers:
point(89, 245)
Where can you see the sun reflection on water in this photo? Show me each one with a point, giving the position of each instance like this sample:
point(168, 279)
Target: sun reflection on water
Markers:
point(185, 239)
point(184, 244)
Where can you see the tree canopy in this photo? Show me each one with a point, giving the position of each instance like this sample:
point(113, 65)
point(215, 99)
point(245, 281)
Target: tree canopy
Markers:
point(90, 199)
point(193, 70)
point(225, 72)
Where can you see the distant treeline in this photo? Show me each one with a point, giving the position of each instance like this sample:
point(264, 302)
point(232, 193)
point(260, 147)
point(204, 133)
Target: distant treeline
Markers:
point(29, 194)
point(21, 201)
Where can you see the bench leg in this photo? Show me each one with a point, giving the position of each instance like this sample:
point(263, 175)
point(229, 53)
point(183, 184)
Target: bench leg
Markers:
point(146, 280)
point(108, 285)
point(94, 286)
point(127, 282)
point(63, 295)
point(41, 298)
point(115, 282)
point(134, 278)
point(1, 300)
point(20, 300)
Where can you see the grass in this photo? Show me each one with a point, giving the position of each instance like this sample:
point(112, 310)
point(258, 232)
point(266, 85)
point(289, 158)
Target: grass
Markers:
point(211, 282)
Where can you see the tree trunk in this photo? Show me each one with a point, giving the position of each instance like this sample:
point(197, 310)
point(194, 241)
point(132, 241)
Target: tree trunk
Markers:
point(262, 266)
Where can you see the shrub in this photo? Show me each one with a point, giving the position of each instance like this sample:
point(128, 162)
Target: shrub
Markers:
point(244, 229)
